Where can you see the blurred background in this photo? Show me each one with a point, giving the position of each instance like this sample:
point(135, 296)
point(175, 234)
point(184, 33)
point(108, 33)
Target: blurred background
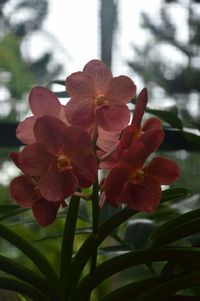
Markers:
point(156, 43)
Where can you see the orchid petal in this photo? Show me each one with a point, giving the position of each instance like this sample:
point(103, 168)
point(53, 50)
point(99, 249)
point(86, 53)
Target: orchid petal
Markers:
point(55, 186)
point(80, 112)
point(45, 212)
point(43, 102)
point(22, 190)
point(115, 181)
point(100, 74)
point(152, 123)
point(145, 196)
point(163, 170)
point(121, 89)
point(113, 117)
point(140, 108)
point(34, 159)
point(80, 86)
point(24, 130)
point(50, 132)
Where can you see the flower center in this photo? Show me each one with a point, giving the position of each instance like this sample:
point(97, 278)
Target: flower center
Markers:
point(101, 101)
point(63, 162)
point(137, 176)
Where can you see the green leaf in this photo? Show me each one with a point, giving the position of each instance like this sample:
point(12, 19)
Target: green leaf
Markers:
point(113, 251)
point(138, 232)
point(61, 94)
point(128, 260)
point(26, 275)
point(32, 253)
point(57, 81)
point(175, 194)
point(171, 286)
point(22, 288)
point(134, 289)
point(169, 117)
point(194, 139)
point(182, 226)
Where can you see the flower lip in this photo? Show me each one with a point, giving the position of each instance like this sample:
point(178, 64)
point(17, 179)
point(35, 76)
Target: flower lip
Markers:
point(101, 101)
point(137, 176)
point(63, 162)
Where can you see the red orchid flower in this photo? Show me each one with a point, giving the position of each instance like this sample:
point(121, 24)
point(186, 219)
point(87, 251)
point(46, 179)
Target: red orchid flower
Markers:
point(24, 190)
point(135, 130)
point(42, 102)
point(99, 98)
point(62, 159)
point(138, 185)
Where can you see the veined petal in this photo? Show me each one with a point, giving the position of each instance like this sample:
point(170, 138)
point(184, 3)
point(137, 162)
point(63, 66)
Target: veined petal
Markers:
point(152, 123)
point(50, 132)
point(100, 74)
point(43, 102)
point(121, 89)
point(140, 108)
point(115, 181)
point(80, 86)
point(77, 142)
point(135, 155)
point(45, 212)
point(107, 139)
point(163, 170)
point(128, 136)
point(22, 190)
point(55, 186)
point(152, 140)
point(145, 196)
point(113, 117)
point(80, 112)
point(34, 159)
point(85, 168)
point(24, 130)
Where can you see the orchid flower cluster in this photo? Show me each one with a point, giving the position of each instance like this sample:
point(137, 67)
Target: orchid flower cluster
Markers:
point(67, 145)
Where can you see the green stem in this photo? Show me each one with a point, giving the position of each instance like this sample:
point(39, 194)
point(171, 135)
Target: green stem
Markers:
point(95, 221)
point(67, 242)
point(91, 244)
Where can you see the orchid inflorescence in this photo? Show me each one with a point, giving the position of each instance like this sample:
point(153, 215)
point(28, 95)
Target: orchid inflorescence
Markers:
point(67, 145)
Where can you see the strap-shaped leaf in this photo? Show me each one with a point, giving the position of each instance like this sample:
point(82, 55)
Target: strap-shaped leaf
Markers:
point(169, 117)
point(132, 290)
point(31, 252)
point(174, 194)
point(175, 222)
point(27, 276)
point(22, 288)
point(122, 262)
point(178, 228)
point(171, 286)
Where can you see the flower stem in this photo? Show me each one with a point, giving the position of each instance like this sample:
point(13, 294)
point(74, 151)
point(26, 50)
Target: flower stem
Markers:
point(95, 221)
point(67, 243)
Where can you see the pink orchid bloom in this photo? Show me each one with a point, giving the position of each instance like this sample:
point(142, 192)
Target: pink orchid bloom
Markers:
point(42, 102)
point(98, 98)
point(62, 159)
